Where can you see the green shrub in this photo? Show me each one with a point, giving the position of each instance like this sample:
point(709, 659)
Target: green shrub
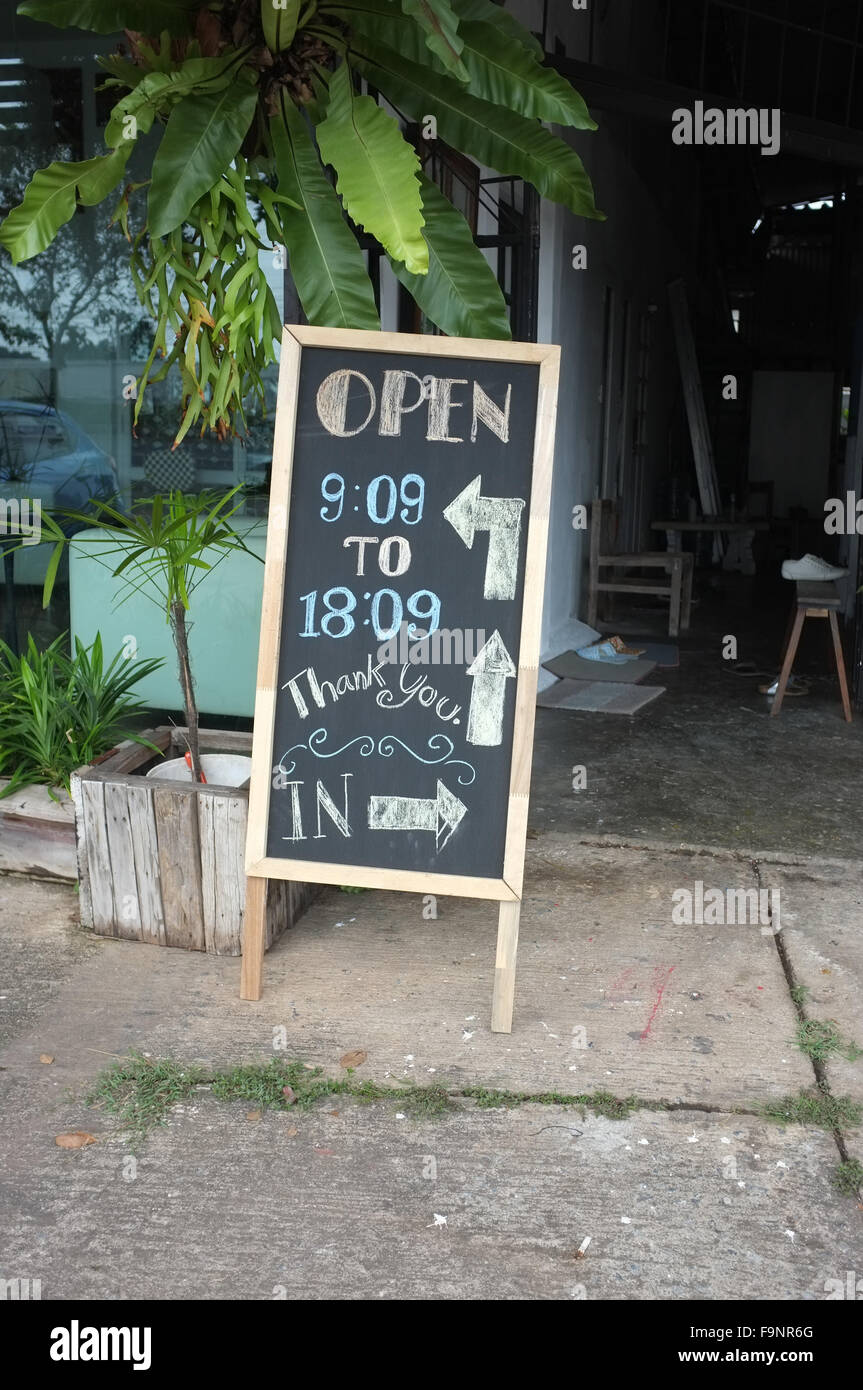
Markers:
point(58, 711)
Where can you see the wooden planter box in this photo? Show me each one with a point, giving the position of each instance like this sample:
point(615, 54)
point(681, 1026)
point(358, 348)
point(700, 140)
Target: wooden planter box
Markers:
point(37, 834)
point(163, 861)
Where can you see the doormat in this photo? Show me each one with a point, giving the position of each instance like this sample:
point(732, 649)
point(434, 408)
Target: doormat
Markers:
point(599, 697)
point(571, 666)
point(661, 653)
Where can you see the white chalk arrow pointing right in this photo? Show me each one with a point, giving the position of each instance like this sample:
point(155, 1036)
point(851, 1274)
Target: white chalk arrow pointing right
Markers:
point(442, 814)
point(491, 669)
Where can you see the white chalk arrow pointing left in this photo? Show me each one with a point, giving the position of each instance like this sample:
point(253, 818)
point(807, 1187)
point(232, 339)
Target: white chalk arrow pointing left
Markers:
point(491, 669)
point(501, 517)
point(443, 814)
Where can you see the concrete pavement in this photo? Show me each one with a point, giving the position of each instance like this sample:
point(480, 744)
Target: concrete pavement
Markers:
point(702, 1200)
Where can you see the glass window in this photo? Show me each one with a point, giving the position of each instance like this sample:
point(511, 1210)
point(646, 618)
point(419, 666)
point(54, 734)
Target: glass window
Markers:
point(73, 337)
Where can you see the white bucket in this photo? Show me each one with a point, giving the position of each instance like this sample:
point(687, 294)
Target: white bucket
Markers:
point(220, 769)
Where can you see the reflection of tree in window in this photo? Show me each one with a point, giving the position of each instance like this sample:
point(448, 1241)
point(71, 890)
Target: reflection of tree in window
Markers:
point(75, 296)
point(26, 440)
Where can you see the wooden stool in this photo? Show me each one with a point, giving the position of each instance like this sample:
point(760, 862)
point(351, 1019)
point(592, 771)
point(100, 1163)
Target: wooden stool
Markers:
point(815, 599)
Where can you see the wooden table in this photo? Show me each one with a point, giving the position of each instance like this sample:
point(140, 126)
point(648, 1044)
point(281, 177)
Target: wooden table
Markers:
point(742, 531)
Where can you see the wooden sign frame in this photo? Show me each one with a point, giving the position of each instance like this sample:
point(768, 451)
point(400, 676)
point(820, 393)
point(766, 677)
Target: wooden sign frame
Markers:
point(259, 866)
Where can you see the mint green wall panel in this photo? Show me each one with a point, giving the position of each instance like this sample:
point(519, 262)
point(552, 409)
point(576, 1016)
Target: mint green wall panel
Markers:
point(224, 623)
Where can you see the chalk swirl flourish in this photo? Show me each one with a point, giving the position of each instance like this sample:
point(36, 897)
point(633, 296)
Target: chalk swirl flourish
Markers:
point(386, 748)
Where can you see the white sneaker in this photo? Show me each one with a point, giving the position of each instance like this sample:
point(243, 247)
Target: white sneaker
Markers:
point(811, 567)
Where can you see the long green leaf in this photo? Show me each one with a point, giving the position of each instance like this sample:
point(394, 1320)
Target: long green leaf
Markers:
point(279, 23)
point(510, 76)
point(105, 173)
point(509, 143)
point(460, 294)
point(498, 70)
point(203, 134)
point(111, 16)
point(439, 23)
point(120, 69)
point(158, 89)
point(486, 12)
point(377, 171)
point(52, 196)
point(326, 262)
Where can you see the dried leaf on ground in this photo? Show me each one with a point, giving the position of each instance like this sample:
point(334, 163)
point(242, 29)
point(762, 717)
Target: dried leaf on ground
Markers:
point(78, 1139)
point(354, 1058)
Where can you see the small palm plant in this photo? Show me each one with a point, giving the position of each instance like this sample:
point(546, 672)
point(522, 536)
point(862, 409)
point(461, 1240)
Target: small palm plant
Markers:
point(257, 105)
point(58, 712)
point(161, 544)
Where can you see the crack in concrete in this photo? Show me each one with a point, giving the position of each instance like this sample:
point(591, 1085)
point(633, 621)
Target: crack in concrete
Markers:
point(819, 1070)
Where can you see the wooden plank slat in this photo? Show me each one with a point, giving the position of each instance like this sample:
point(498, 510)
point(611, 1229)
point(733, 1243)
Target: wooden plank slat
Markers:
point(529, 642)
point(42, 849)
point(251, 972)
point(504, 973)
point(128, 756)
point(696, 414)
point(85, 902)
point(207, 837)
point(98, 858)
point(397, 880)
point(36, 803)
point(125, 882)
point(179, 868)
point(229, 821)
point(214, 740)
point(142, 822)
point(424, 344)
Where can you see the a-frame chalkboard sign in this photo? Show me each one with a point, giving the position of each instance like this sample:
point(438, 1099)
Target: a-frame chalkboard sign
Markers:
point(400, 629)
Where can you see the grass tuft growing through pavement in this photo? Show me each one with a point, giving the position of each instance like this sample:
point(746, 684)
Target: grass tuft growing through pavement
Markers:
point(815, 1108)
point(822, 1039)
point(848, 1178)
point(141, 1090)
point(599, 1102)
point(263, 1084)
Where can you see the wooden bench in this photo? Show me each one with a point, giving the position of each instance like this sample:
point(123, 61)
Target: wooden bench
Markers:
point(814, 599)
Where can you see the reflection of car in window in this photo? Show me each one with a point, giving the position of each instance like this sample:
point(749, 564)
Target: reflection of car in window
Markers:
point(42, 445)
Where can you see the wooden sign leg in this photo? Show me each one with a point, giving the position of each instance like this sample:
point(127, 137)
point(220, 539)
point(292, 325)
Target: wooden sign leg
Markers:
point(504, 974)
point(254, 932)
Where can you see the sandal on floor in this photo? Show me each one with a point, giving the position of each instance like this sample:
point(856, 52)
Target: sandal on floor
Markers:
point(623, 650)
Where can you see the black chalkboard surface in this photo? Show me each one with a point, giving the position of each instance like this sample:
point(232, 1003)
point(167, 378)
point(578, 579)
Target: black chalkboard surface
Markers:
point(396, 647)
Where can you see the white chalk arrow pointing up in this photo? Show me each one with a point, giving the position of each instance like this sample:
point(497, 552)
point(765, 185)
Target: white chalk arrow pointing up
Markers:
point(491, 669)
point(501, 517)
point(443, 814)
